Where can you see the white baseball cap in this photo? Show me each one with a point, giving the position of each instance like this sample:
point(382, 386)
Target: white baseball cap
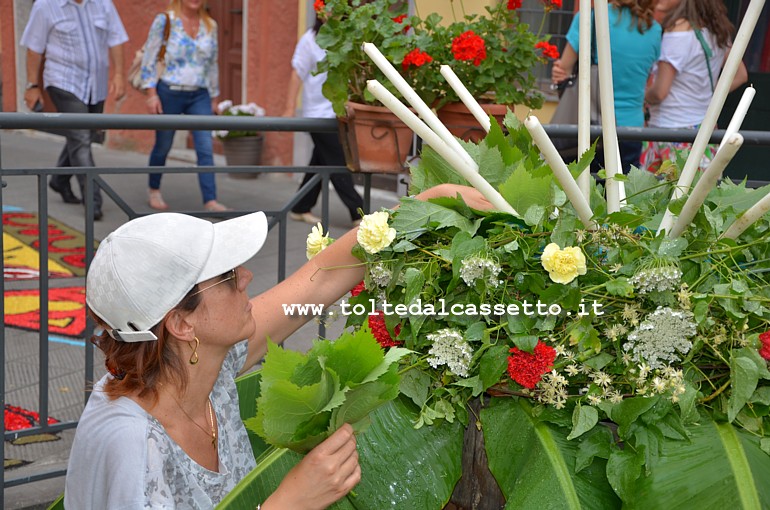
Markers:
point(147, 266)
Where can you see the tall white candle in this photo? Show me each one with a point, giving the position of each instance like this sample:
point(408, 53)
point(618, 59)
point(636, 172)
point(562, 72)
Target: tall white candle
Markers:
point(468, 100)
point(418, 104)
point(453, 158)
point(740, 114)
point(717, 102)
point(755, 212)
point(584, 94)
point(706, 183)
point(609, 133)
point(560, 170)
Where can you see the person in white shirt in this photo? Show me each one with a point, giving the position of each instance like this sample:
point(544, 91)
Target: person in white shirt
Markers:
point(696, 41)
point(327, 150)
point(78, 38)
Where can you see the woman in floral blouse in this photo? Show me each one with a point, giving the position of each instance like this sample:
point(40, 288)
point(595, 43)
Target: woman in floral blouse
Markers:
point(188, 84)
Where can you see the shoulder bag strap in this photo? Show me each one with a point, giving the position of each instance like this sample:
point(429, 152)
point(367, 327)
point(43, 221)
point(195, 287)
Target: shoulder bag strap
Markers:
point(707, 52)
point(166, 32)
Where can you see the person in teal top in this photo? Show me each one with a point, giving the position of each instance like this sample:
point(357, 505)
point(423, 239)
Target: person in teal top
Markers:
point(634, 46)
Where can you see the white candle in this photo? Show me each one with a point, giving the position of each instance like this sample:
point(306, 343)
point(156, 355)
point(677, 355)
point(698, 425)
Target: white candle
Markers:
point(748, 218)
point(453, 158)
point(706, 183)
point(560, 170)
point(418, 104)
point(740, 114)
point(717, 102)
point(468, 100)
point(609, 133)
point(584, 94)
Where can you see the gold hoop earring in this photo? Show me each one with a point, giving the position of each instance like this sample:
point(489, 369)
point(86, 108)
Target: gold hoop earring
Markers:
point(194, 355)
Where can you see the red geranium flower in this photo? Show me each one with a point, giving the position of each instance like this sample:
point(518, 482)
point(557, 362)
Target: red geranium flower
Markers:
point(549, 50)
point(416, 57)
point(514, 4)
point(319, 5)
point(527, 369)
point(380, 330)
point(764, 351)
point(551, 4)
point(469, 46)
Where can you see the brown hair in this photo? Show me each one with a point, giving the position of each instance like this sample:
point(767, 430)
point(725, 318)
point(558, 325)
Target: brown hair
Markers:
point(710, 14)
point(208, 21)
point(139, 367)
point(641, 10)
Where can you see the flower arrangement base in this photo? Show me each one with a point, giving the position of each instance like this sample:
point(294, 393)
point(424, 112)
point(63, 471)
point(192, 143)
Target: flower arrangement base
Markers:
point(461, 122)
point(477, 489)
point(374, 139)
point(243, 151)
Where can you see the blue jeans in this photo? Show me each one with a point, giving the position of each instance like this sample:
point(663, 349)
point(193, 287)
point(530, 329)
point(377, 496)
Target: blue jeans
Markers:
point(174, 102)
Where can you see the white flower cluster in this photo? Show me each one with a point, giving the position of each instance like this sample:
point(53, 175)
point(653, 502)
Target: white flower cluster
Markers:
point(553, 389)
point(380, 275)
point(478, 267)
point(659, 279)
point(251, 109)
point(450, 349)
point(660, 336)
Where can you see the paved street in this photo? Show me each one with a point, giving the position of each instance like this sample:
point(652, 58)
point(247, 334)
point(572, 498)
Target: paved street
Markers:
point(22, 149)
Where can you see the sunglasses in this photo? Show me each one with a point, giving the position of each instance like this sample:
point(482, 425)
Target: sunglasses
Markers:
point(226, 277)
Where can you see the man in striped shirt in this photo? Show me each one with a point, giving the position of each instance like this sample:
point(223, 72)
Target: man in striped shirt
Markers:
point(78, 38)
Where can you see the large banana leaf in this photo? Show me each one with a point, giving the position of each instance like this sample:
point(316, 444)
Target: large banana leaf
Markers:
point(721, 467)
point(402, 467)
point(534, 463)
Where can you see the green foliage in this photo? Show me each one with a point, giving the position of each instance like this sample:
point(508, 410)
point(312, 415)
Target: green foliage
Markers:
point(306, 397)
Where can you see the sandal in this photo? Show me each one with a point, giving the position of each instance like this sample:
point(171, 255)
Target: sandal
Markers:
point(214, 206)
point(156, 200)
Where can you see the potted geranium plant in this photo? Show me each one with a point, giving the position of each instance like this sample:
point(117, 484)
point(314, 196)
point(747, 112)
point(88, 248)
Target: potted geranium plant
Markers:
point(242, 148)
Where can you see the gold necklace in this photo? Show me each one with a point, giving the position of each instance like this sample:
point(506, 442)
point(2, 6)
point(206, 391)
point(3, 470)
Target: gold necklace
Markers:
point(211, 420)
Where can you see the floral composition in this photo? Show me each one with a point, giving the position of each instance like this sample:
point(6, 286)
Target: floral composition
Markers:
point(611, 367)
point(227, 108)
point(493, 54)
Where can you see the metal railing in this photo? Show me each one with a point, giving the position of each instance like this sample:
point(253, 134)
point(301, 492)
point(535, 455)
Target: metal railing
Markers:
point(49, 122)
point(57, 122)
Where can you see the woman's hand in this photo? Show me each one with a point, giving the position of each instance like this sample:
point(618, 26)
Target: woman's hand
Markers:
point(153, 104)
point(558, 73)
point(324, 476)
point(470, 195)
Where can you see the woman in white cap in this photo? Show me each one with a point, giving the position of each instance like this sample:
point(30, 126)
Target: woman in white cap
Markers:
point(163, 429)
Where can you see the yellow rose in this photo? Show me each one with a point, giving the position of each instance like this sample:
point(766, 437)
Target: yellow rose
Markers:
point(565, 265)
point(374, 233)
point(317, 241)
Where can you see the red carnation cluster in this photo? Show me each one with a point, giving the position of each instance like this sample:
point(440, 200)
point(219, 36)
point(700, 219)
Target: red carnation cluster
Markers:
point(549, 50)
point(380, 330)
point(469, 46)
point(551, 4)
point(417, 58)
point(377, 323)
point(764, 351)
point(527, 369)
point(358, 289)
point(514, 4)
point(318, 5)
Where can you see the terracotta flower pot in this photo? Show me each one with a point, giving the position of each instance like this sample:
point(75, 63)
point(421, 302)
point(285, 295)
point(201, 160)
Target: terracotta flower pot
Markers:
point(374, 139)
point(461, 122)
